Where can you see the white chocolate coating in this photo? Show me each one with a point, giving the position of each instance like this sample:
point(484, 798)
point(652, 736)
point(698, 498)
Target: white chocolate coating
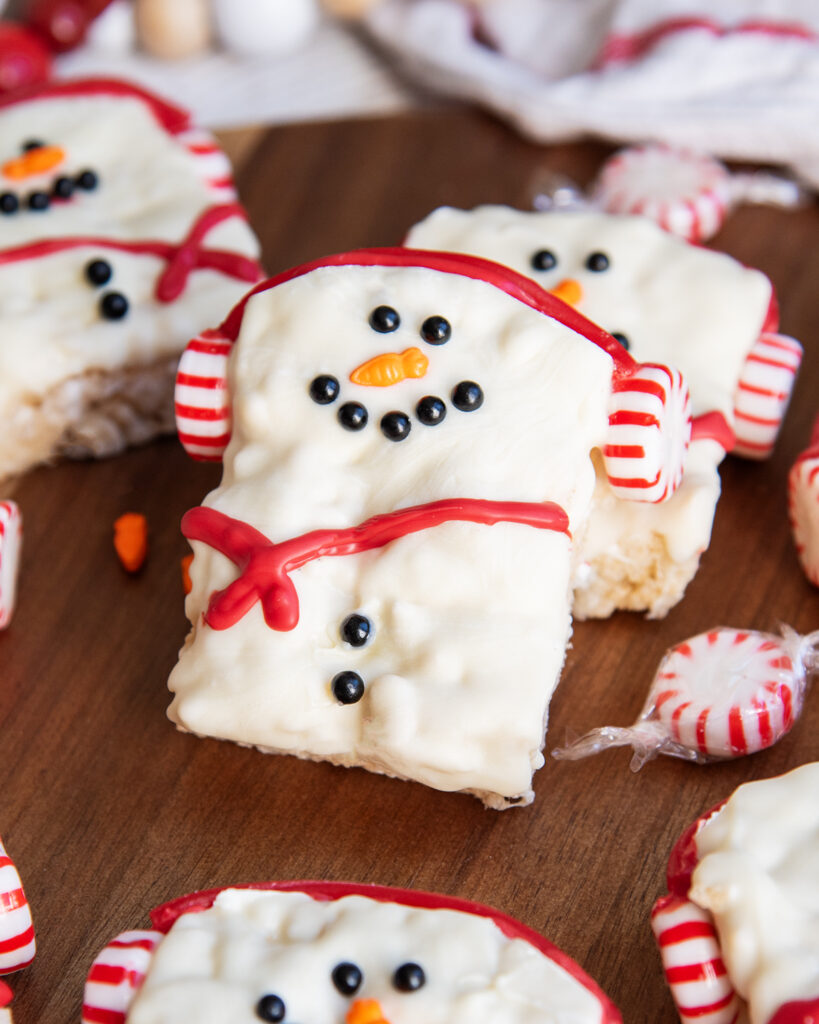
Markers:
point(758, 875)
point(698, 310)
point(214, 966)
point(469, 640)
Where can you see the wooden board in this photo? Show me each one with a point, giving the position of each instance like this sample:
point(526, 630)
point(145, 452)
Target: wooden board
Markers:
point(108, 811)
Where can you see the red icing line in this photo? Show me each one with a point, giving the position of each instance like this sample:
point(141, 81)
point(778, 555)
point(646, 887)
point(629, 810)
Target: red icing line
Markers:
point(265, 566)
point(173, 119)
point(713, 426)
point(181, 259)
point(684, 857)
point(516, 285)
point(804, 1011)
point(164, 916)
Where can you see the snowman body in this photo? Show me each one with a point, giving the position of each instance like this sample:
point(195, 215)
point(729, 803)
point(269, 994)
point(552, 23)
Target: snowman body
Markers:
point(467, 621)
point(340, 952)
point(669, 302)
point(99, 172)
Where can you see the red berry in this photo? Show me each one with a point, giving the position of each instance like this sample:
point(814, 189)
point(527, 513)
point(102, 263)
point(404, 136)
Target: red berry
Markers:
point(24, 57)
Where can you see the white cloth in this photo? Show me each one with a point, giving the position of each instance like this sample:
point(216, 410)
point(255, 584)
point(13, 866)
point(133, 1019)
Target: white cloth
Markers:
point(739, 78)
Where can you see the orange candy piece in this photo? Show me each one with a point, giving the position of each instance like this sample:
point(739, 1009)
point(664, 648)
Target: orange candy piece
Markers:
point(187, 586)
point(36, 161)
point(131, 540)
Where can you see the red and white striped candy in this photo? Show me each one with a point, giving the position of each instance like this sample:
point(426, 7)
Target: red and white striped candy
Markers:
point(212, 166)
point(803, 506)
point(116, 975)
point(685, 193)
point(726, 693)
point(649, 432)
point(202, 400)
point(11, 539)
point(763, 392)
point(692, 961)
point(17, 945)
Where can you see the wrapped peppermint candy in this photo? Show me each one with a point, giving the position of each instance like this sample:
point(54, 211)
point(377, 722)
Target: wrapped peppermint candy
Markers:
point(685, 192)
point(719, 695)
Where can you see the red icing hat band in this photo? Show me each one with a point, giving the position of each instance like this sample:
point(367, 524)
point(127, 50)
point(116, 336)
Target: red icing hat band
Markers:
point(264, 566)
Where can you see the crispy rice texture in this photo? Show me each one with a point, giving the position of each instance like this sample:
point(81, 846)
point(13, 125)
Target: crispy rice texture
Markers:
point(93, 415)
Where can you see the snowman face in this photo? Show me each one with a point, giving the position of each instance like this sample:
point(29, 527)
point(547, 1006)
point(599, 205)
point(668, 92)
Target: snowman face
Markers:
point(757, 875)
point(665, 300)
point(275, 956)
point(370, 388)
point(93, 165)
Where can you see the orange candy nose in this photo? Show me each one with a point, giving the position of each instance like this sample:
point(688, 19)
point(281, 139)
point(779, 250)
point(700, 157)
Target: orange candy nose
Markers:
point(391, 368)
point(569, 291)
point(35, 161)
point(366, 1011)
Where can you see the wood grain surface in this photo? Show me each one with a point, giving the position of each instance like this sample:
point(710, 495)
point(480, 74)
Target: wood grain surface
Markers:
point(108, 811)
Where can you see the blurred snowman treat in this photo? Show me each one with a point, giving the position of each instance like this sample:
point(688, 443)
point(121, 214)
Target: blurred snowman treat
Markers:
point(664, 300)
point(803, 506)
point(382, 577)
point(739, 930)
point(336, 953)
point(121, 236)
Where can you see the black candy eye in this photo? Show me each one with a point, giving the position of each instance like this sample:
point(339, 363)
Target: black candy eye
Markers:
point(597, 261)
point(347, 687)
point(622, 339)
point(39, 201)
point(430, 410)
point(87, 180)
point(32, 144)
point(384, 319)
point(353, 416)
point(409, 977)
point(356, 630)
point(544, 259)
point(436, 330)
point(98, 272)
point(63, 188)
point(347, 978)
point(271, 1008)
point(9, 203)
point(113, 306)
point(395, 426)
point(324, 389)
point(467, 396)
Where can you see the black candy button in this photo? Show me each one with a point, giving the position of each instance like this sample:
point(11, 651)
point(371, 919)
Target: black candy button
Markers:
point(384, 319)
point(431, 410)
point(9, 203)
point(597, 261)
point(436, 330)
point(87, 180)
point(353, 416)
point(113, 306)
point(544, 259)
point(356, 630)
point(271, 1008)
point(347, 978)
point(98, 272)
point(63, 188)
point(32, 144)
point(395, 426)
point(467, 396)
point(39, 201)
point(324, 389)
point(347, 687)
point(409, 977)
point(621, 339)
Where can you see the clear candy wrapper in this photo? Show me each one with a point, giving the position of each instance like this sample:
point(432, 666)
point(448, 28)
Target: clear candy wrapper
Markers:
point(719, 695)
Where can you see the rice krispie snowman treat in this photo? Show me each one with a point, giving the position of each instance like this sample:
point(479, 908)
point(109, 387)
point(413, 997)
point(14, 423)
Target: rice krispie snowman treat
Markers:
point(664, 300)
point(336, 953)
point(739, 930)
point(121, 236)
point(382, 577)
